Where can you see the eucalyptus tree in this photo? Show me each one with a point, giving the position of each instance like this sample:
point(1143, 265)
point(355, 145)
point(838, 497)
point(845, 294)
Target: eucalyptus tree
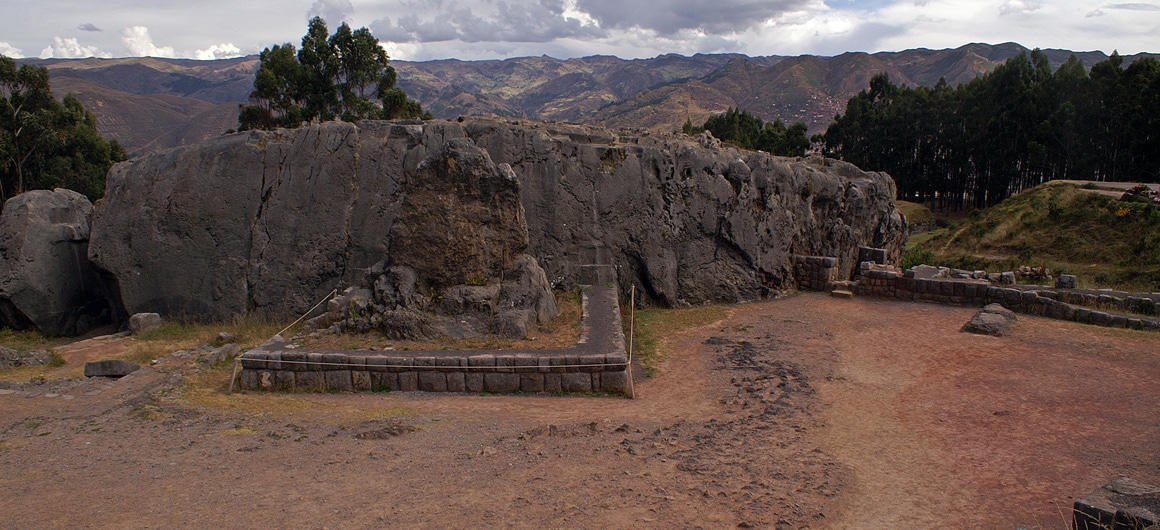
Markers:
point(344, 76)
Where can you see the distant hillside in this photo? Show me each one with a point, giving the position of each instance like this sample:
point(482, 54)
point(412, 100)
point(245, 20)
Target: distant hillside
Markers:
point(150, 103)
point(1089, 232)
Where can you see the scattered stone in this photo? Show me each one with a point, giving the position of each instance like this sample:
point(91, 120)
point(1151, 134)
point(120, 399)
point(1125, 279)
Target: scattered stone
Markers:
point(10, 358)
point(110, 368)
point(142, 322)
point(994, 320)
point(924, 272)
point(1065, 281)
point(1122, 504)
point(1007, 278)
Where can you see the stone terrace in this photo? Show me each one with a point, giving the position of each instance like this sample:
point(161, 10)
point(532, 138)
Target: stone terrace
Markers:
point(597, 363)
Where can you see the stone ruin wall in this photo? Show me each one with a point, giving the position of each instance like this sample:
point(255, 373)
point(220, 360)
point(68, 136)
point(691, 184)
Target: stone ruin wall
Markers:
point(1101, 308)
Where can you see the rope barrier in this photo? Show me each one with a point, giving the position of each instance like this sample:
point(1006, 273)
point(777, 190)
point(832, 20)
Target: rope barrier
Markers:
point(238, 360)
point(450, 368)
point(631, 329)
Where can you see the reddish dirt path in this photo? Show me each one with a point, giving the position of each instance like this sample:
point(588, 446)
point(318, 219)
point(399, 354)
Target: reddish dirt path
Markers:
point(808, 412)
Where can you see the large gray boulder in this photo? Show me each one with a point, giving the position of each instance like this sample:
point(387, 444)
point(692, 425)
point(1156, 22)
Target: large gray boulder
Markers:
point(455, 265)
point(46, 281)
point(270, 222)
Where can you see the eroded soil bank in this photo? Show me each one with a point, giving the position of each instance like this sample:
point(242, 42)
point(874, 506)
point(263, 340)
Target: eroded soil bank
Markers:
point(806, 412)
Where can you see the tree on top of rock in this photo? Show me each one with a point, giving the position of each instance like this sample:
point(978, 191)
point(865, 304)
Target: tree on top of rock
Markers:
point(343, 76)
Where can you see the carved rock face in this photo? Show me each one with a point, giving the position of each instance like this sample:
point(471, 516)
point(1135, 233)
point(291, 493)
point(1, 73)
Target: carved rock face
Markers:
point(460, 220)
point(270, 222)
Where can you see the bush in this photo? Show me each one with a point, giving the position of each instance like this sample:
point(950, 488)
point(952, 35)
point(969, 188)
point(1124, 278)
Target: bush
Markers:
point(916, 256)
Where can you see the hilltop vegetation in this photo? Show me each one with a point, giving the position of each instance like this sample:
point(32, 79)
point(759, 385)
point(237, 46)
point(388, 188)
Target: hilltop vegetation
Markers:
point(1105, 241)
point(1022, 124)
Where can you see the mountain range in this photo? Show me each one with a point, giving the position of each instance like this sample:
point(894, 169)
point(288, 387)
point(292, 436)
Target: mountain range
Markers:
point(149, 104)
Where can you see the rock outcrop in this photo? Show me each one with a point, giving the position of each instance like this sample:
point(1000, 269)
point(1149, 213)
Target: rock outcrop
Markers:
point(46, 280)
point(455, 265)
point(269, 222)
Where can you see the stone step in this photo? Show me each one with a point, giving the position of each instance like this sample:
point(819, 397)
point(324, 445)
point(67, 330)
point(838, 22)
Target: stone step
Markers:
point(841, 293)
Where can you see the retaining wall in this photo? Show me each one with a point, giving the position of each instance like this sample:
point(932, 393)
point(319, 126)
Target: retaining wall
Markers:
point(598, 363)
point(1090, 307)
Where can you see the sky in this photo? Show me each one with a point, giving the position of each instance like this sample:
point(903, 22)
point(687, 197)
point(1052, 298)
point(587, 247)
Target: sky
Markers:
point(496, 29)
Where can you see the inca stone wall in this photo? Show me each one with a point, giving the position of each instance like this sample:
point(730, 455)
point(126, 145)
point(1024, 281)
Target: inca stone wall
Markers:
point(270, 222)
point(1103, 308)
point(598, 363)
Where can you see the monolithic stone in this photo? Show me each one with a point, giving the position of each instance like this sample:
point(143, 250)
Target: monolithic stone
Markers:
point(312, 381)
point(408, 381)
point(456, 382)
point(339, 381)
point(552, 383)
point(532, 383)
point(432, 381)
point(506, 382)
point(270, 222)
point(473, 382)
point(576, 382)
point(142, 322)
point(614, 382)
point(360, 380)
point(110, 368)
point(46, 280)
point(993, 319)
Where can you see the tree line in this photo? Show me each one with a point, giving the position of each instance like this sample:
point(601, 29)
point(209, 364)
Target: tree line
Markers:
point(1016, 127)
point(747, 131)
point(45, 143)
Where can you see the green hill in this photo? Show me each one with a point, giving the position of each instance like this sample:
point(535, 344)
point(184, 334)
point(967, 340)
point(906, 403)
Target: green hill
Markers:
point(1105, 241)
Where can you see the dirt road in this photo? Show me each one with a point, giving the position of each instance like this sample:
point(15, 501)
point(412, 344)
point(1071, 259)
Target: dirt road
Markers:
point(806, 412)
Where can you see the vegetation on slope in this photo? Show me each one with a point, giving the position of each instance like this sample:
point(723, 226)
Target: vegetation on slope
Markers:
point(1105, 241)
point(747, 131)
point(1015, 127)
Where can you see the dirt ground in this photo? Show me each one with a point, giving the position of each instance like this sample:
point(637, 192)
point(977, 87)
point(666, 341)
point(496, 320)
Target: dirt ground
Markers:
point(804, 412)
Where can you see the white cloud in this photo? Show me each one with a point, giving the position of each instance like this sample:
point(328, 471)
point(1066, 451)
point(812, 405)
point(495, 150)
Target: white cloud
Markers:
point(334, 12)
point(1011, 7)
point(8, 50)
point(137, 40)
point(218, 51)
point(69, 48)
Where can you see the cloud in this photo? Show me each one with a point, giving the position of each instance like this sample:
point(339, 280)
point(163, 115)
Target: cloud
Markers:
point(717, 17)
point(88, 27)
point(8, 50)
point(137, 40)
point(69, 48)
point(218, 51)
point(1134, 7)
point(1011, 7)
point(499, 21)
point(334, 12)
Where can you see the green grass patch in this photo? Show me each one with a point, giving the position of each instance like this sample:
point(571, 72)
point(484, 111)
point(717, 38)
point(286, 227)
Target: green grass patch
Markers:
point(916, 214)
point(1105, 242)
point(653, 326)
point(27, 340)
